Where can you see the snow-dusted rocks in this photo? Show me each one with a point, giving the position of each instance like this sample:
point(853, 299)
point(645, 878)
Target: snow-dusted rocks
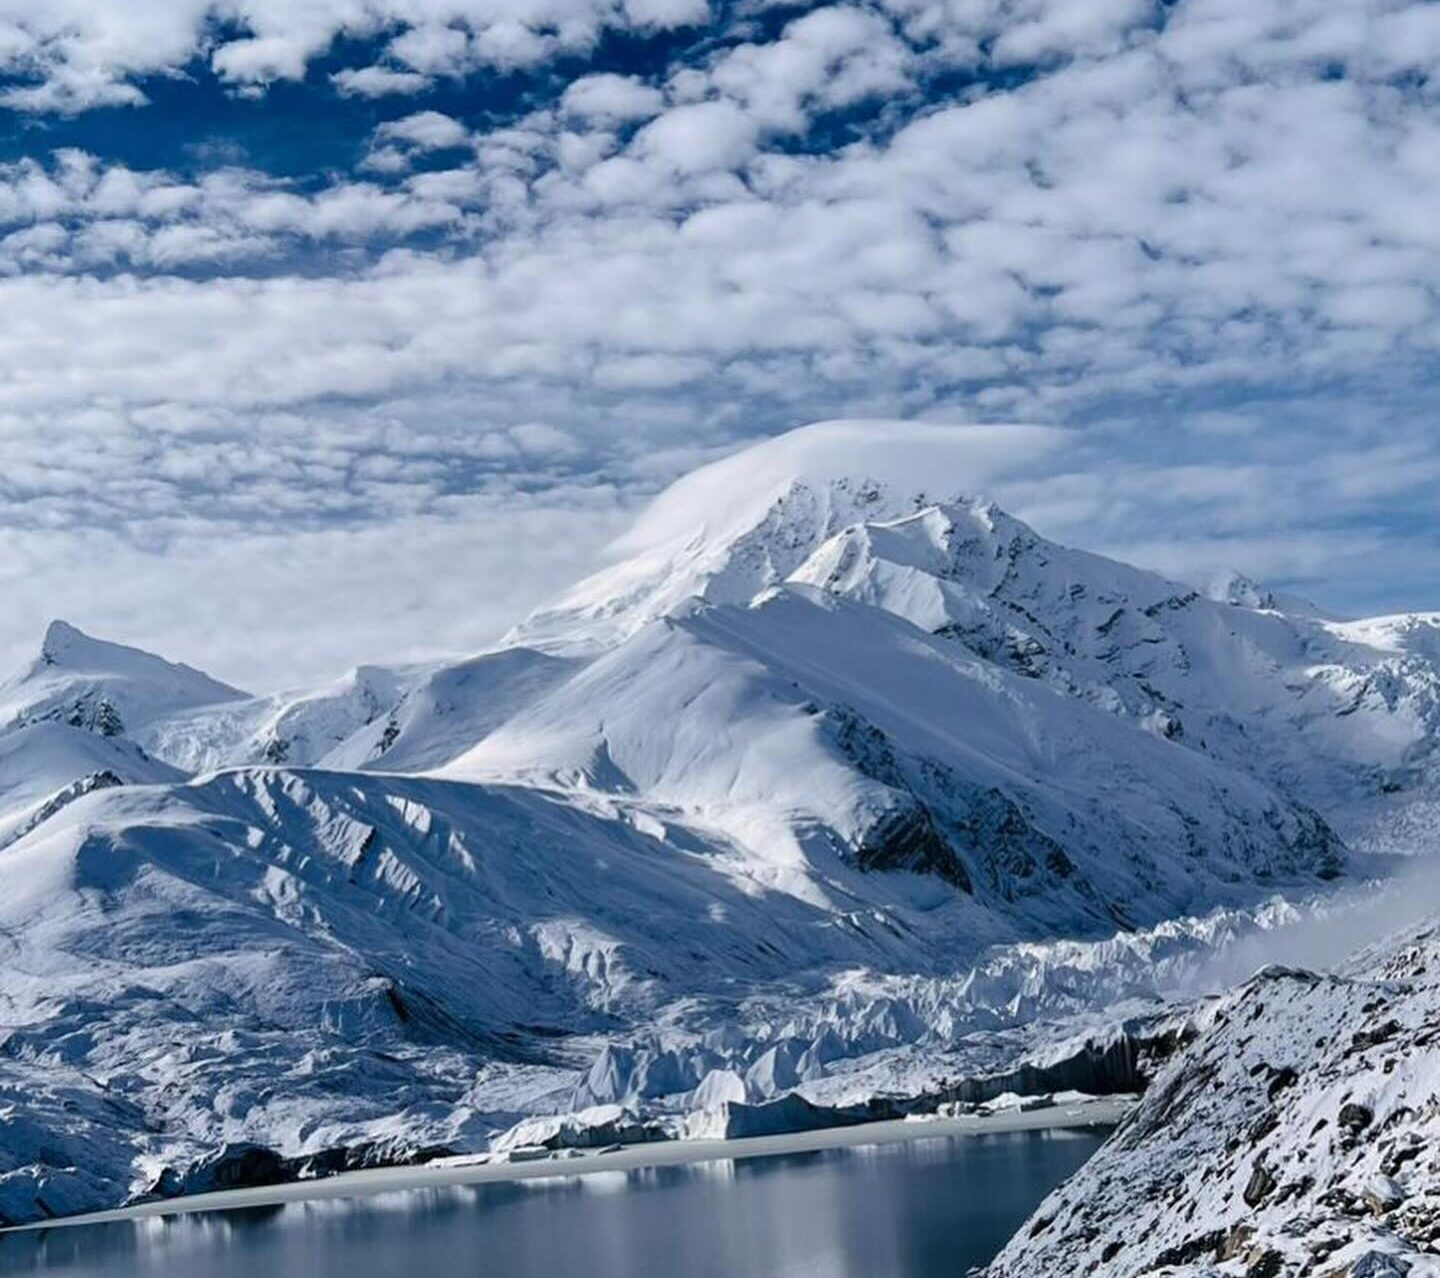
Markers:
point(1296, 1136)
point(843, 791)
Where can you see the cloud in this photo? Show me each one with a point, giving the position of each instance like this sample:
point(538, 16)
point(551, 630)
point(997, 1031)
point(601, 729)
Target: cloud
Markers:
point(831, 58)
point(424, 131)
point(75, 55)
point(662, 15)
point(378, 82)
point(301, 606)
point(700, 136)
point(611, 99)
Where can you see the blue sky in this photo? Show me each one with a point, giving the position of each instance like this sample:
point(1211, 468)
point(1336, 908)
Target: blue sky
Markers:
point(348, 329)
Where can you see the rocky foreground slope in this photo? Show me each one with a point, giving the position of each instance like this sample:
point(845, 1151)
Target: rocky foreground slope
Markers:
point(1297, 1135)
point(841, 785)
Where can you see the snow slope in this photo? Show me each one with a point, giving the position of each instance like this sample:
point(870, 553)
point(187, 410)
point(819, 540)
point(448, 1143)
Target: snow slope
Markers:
point(331, 969)
point(842, 782)
point(402, 719)
point(1343, 716)
point(45, 765)
point(298, 728)
point(809, 731)
point(1334, 712)
point(350, 973)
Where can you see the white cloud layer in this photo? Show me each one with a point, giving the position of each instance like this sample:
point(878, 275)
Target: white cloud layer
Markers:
point(77, 54)
point(1203, 234)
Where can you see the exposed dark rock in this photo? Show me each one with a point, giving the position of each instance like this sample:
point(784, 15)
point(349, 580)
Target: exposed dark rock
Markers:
point(1280, 1080)
point(1267, 1264)
point(1374, 1036)
point(1262, 1126)
point(1378, 1264)
point(1201, 1247)
point(1260, 1185)
point(166, 1184)
point(240, 1165)
point(1118, 1067)
point(906, 839)
point(1354, 1119)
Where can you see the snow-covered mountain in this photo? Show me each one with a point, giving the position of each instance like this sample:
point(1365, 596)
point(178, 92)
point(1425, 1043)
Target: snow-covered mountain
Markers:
point(731, 529)
point(814, 785)
point(1334, 712)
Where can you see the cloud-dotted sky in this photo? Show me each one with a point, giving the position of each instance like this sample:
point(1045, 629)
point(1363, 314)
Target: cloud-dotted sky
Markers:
point(345, 329)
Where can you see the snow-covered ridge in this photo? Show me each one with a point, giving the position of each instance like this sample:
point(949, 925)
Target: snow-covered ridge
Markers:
point(1326, 710)
point(45, 765)
point(1338, 713)
point(376, 717)
point(810, 732)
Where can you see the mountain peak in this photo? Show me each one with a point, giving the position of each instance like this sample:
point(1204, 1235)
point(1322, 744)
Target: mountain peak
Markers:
point(104, 686)
point(67, 648)
point(744, 523)
point(896, 465)
point(1234, 587)
point(63, 644)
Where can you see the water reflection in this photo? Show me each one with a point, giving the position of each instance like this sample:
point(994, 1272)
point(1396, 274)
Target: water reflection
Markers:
point(914, 1210)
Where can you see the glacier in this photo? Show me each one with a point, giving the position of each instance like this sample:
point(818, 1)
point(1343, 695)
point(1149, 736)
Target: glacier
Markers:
point(840, 792)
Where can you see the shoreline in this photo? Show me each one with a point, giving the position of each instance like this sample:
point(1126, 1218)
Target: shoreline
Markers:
point(1099, 1112)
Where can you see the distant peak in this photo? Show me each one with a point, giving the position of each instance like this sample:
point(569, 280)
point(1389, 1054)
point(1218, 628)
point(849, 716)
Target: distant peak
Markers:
point(1236, 588)
point(67, 645)
point(62, 639)
point(66, 651)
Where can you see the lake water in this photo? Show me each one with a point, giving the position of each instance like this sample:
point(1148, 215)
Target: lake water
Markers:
point(917, 1209)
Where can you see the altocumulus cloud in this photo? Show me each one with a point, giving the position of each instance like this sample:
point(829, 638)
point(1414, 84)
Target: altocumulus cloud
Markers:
point(1199, 234)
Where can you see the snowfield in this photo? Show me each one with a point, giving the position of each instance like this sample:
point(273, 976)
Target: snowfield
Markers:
point(836, 796)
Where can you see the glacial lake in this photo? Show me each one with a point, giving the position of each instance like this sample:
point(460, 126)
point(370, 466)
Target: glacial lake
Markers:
point(923, 1208)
